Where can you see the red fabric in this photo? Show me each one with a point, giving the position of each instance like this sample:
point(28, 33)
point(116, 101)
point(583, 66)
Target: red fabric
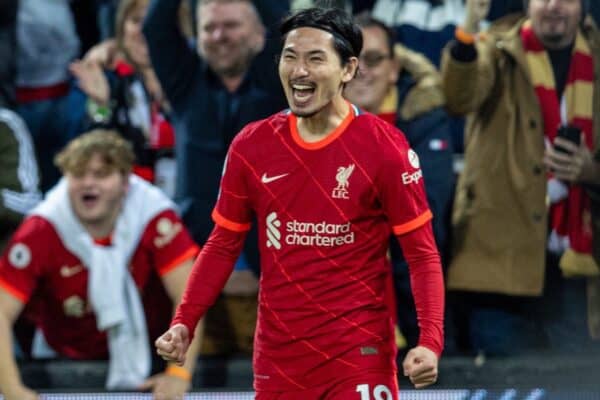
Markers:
point(55, 282)
point(375, 385)
point(382, 163)
point(105, 241)
point(144, 172)
point(29, 94)
point(567, 216)
point(325, 211)
point(162, 134)
point(427, 283)
point(122, 68)
point(388, 117)
point(209, 275)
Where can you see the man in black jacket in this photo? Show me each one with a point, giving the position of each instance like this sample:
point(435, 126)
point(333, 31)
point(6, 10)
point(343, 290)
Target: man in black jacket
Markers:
point(230, 81)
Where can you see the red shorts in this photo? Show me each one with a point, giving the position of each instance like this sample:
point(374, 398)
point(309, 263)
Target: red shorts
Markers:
point(369, 385)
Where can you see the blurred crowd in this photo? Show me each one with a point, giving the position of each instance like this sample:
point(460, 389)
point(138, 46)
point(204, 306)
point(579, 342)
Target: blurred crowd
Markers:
point(500, 100)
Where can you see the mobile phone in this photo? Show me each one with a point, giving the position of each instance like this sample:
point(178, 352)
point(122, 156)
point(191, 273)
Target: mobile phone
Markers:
point(569, 132)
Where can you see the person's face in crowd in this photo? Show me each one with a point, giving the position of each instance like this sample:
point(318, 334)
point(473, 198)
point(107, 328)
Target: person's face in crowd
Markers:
point(133, 38)
point(311, 71)
point(555, 22)
point(377, 71)
point(96, 192)
point(229, 36)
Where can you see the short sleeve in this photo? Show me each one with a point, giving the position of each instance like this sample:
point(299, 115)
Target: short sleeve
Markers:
point(400, 184)
point(169, 241)
point(233, 210)
point(21, 265)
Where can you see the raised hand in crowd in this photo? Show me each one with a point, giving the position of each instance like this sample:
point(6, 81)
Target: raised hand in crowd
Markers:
point(475, 12)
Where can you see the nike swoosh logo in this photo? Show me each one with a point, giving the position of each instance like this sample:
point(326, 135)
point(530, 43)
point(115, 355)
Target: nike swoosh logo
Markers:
point(269, 179)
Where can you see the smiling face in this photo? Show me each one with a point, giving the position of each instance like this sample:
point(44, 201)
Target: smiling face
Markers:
point(311, 71)
point(378, 71)
point(230, 34)
point(96, 192)
point(555, 22)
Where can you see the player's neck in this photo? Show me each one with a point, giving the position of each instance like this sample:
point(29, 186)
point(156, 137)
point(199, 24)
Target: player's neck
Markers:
point(321, 124)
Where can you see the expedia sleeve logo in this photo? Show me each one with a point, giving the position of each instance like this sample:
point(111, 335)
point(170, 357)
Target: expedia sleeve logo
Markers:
point(413, 159)
point(412, 177)
point(298, 233)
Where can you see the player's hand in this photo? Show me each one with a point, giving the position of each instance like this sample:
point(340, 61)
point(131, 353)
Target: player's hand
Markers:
point(421, 366)
point(576, 165)
point(166, 387)
point(173, 344)
point(20, 393)
point(475, 12)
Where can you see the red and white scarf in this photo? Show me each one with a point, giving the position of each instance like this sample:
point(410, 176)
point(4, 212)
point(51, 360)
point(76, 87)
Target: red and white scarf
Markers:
point(570, 217)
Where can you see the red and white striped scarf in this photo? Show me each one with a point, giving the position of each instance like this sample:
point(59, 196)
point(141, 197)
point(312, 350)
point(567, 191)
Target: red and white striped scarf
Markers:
point(570, 217)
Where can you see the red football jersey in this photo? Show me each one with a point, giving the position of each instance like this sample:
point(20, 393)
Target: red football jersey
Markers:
point(36, 268)
point(325, 211)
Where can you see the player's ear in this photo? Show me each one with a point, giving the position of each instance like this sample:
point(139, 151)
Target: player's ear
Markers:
point(349, 69)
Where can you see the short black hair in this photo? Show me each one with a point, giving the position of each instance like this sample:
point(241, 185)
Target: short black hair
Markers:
point(366, 20)
point(347, 37)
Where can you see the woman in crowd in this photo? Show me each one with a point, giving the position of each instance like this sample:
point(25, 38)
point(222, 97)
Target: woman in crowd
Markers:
point(124, 94)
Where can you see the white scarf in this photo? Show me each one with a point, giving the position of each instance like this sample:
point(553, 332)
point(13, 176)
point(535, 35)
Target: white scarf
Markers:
point(112, 292)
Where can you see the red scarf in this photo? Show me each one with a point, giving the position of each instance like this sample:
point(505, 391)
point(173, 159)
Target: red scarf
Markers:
point(162, 133)
point(570, 218)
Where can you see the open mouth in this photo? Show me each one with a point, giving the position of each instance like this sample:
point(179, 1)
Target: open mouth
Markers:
point(89, 200)
point(302, 92)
